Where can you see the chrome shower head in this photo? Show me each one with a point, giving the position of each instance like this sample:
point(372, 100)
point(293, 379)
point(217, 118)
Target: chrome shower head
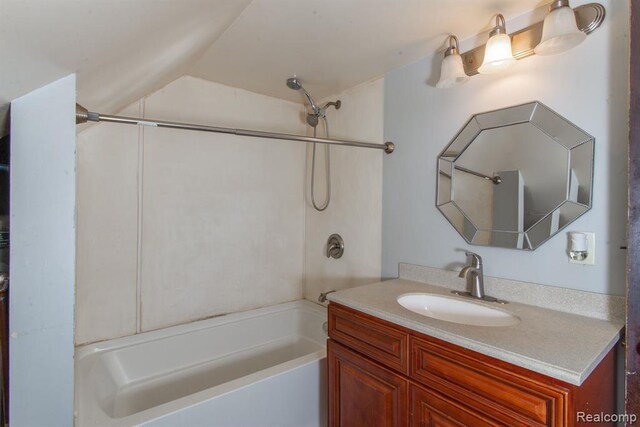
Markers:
point(295, 84)
point(312, 120)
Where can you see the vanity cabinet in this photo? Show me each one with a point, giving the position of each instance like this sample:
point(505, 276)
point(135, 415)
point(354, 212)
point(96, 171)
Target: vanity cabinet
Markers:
point(381, 374)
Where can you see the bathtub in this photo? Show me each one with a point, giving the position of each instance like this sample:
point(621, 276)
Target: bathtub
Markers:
point(264, 367)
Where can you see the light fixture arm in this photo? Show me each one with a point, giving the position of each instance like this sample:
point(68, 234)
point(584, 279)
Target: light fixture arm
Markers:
point(557, 4)
point(588, 17)
point(501, 26)
point(454, 46)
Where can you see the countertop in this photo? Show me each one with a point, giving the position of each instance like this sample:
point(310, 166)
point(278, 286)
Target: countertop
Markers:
point(561, 345)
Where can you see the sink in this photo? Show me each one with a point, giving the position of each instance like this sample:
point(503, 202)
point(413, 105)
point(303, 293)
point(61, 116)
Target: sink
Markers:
point(456, 310)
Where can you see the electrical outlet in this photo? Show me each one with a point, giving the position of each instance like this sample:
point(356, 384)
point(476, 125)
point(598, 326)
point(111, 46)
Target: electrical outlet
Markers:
point(591, 250)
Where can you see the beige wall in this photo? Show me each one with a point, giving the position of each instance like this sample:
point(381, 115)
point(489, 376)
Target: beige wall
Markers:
point(175, 226)
point(355, 211)
point(107, 203)
point(220, 217)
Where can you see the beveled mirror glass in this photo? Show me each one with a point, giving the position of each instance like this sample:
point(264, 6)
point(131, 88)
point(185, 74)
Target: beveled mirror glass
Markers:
point(515, 177)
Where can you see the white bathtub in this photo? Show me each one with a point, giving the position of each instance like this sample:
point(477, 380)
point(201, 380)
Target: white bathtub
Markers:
point(264, 367)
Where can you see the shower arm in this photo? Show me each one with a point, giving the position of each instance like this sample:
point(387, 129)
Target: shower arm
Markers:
point(337, 104)
point(84, 116)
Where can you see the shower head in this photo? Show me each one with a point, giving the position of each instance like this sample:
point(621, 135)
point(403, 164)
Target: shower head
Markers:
point(312, 120)
point(295, 84)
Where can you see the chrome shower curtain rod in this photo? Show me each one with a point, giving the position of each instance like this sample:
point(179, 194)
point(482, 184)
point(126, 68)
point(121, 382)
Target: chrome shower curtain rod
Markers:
point(495, 178)
point(83, 116)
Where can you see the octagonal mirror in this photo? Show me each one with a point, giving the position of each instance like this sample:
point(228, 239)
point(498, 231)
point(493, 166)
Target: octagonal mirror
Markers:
point(515, 177)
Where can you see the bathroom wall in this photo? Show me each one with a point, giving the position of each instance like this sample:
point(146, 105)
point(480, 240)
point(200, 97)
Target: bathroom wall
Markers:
point(355, 210)
point(175, 226)
point(587, 85)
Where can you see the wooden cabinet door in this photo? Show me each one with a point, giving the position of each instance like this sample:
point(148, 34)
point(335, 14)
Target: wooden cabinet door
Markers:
point(431, 409)
point(363, 393)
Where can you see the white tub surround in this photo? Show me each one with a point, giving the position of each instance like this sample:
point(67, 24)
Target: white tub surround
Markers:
point(261, 367)
point(149, 252)
point(355, 211)
point(171, 197)
point(561, 345)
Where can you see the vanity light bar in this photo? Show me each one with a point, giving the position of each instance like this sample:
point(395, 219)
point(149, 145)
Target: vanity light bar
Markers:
point(523, 42)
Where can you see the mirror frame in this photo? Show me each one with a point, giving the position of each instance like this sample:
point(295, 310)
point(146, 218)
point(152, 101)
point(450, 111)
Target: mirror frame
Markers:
point(553, 125)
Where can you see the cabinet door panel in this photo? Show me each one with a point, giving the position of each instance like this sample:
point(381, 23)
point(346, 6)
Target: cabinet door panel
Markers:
point(363, 393)
point(430, 409)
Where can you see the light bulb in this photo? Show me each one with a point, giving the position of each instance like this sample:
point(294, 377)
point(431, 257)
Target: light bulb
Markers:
point(452, 69)
point(497, 54)
point(560, 31)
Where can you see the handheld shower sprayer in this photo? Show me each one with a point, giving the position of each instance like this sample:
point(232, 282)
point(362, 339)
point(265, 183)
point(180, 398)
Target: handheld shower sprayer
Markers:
point(295, 84)
point(316, 111)
point(313, 118)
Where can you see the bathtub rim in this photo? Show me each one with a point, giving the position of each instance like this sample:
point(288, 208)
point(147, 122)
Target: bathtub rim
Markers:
point(84, 350)
point(99, 417)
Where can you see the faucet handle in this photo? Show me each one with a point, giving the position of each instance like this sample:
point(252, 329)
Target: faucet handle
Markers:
point(476, 260)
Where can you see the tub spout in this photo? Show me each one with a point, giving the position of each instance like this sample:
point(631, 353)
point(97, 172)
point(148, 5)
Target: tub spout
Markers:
point(323, 296)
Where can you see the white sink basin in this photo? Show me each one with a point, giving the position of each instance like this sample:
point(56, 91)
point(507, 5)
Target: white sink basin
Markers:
point(456, 310)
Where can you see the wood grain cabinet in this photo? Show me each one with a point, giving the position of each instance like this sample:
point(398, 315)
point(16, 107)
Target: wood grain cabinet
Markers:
point(432, 409)
point(365, 393)
point(381, 374)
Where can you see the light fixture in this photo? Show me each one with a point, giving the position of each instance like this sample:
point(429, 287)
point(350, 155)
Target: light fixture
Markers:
point(451, 70)
point(497, 53)
point(560, 31)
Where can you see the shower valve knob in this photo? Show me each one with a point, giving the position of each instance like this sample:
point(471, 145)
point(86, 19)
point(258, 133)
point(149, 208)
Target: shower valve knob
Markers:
point(335, 246)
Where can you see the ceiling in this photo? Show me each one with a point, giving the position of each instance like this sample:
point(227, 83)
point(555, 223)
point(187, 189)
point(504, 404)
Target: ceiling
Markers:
point(122, 50)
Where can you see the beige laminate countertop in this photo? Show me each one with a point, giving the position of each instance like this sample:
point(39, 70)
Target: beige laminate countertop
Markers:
point(561, 345)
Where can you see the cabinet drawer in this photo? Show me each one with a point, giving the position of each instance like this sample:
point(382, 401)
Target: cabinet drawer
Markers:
point(511, 398)
point(431, 409)
point(372, 337)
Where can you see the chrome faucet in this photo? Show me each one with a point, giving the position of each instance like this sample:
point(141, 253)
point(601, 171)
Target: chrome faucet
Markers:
point(475, 279)
point(474, 275)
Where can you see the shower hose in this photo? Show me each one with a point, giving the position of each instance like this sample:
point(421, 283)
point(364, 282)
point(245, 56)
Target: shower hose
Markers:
point(327, 157)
